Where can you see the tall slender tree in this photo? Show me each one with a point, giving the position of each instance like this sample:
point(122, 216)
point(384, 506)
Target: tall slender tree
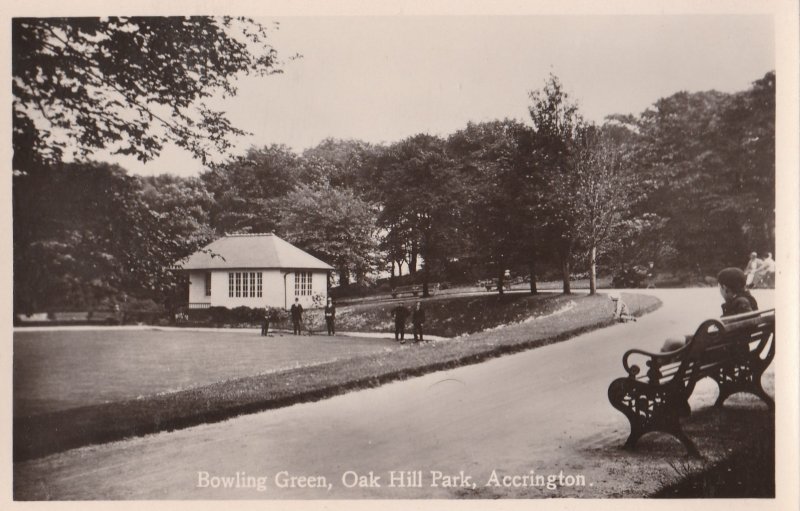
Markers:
point(556, 122)
point(602, 195)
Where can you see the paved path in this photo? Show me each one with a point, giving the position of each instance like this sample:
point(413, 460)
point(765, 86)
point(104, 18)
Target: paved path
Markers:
point(543, 410)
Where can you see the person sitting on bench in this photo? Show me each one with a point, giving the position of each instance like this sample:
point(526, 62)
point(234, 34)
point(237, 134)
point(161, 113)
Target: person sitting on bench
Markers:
point(738, 300)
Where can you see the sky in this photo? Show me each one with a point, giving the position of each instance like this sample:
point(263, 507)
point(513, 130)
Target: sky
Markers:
point(382, 79)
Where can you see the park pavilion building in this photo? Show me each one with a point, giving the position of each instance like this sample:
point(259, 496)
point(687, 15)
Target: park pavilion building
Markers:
point(254, 270)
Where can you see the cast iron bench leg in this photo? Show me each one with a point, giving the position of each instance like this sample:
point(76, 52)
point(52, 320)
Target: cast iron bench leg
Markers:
point(741, 379)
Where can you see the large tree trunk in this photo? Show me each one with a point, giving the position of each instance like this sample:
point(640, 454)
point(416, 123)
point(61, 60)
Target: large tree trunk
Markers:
point(770, 232)
point(426, 268)
point(500, 281)
point(344, 277)
point(593, 270)
point(392, 277)
point(412, 263)
point(564, 253)
point(532, 271)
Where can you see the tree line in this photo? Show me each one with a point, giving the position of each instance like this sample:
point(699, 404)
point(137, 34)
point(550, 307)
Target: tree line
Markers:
point(688, 183)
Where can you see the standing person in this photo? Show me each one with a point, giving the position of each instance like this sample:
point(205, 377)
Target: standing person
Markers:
point(418, 318)
point(297, 315)
point(330, 317)
point(752, 268)
point(265, 322)
point(400, 314)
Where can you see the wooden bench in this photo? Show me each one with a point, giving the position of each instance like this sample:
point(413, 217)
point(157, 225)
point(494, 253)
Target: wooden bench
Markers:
point(733, 351)
point(492, 284)
point(414, 290)
point(489, 284)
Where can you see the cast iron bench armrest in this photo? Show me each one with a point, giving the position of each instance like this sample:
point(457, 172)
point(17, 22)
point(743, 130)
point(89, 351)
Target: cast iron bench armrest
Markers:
point(661, 357)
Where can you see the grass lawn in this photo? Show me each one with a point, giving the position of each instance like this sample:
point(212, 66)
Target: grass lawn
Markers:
point(57, 370)
point(451, 317)
point(361, 363)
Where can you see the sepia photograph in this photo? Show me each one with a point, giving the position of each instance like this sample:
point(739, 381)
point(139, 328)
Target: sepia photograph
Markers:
point(433, 254)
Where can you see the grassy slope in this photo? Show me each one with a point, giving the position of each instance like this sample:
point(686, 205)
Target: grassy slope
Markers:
point(454, 316)
point(45, 434)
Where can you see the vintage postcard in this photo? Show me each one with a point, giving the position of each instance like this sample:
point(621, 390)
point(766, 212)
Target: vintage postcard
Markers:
point(329, 255)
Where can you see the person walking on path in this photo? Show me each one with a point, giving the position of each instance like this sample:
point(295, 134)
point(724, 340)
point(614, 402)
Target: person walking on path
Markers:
point(297, 315)
point(418, 318)
point(330, 317)
point(400, 314)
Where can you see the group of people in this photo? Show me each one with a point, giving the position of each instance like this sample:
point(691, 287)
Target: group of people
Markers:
point(400, 314)
point(760, 272)
point(296, 313)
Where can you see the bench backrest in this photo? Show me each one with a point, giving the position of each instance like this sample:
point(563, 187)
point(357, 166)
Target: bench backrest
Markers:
point(745, 337)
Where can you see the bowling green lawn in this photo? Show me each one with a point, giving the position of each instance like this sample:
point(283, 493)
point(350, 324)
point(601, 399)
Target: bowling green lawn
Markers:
point(78, 387)
point(60, 369)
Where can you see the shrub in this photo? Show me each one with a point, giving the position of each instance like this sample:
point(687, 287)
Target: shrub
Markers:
point(314, 320)
point(223, 315)
point(350, 291)
point(244, 314)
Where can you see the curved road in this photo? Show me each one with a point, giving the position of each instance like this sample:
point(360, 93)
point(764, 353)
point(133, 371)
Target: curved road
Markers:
point(542, 412)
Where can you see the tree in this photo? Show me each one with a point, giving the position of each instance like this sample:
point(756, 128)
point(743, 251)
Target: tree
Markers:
point(332, 224)
point(129, 85)
point(340, 163)
point(490, 157)
point(247, 190)
point(556, 122)
point(707, 162)
point(602, 194)
point(747, 144)
point(422, 201)
point(641, 238)
point(184, 202)
point(84, 234)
